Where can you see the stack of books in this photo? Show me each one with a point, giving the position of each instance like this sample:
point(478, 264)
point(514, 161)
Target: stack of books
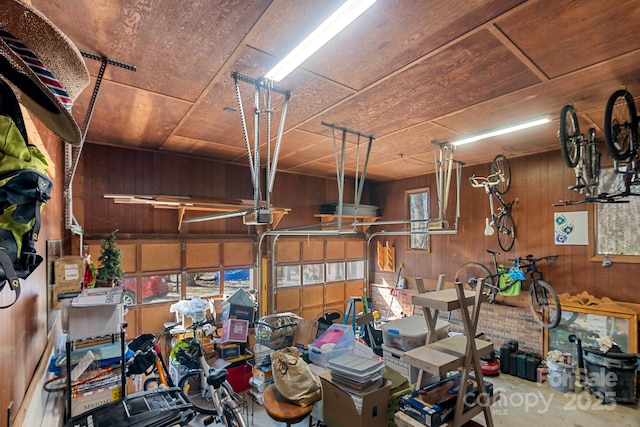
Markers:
point(98, 391)
point(356, 374)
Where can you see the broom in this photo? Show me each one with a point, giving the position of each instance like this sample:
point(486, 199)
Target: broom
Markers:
point(395, 291)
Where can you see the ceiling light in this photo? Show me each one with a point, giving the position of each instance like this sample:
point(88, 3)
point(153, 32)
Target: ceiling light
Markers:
point(335, 23)
point(502, 131)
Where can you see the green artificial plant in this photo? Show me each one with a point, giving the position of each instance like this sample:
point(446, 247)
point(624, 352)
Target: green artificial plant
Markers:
point(109, 258)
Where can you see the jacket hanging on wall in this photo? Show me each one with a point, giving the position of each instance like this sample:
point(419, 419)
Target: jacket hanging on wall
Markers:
point(24, 189)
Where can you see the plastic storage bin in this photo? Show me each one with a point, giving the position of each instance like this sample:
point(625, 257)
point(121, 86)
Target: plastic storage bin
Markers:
point(410, 332)
point(356, 368)
point(611, 375)
point(335, 341)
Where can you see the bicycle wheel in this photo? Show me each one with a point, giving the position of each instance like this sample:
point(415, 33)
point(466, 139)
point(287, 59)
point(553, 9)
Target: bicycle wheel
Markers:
point(501, 163)
point(568, 136)
point(620, 125)
point(506, 231)
point(192, 386)
point(469, 272)
point(151, 382)
point(232, 406)
point(540, 295)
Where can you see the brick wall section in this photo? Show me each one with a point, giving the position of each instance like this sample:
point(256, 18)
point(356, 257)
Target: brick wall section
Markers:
point(498, 322)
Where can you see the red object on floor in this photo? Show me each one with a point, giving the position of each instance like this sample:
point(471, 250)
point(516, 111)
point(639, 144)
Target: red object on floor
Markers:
point(490, 368)
point(239, 377)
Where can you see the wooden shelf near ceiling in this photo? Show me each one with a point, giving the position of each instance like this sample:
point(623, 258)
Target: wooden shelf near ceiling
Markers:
point(199, 204)
point(347, 220)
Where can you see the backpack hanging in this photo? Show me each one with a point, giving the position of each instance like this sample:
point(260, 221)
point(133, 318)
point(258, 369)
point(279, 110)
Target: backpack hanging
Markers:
point(24, 189)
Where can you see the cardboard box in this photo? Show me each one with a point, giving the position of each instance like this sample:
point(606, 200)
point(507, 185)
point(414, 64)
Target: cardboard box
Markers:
point(228, 351)
point(339, 409)
point(234, 330)
point(69, 269)
point(262, 373)
point(306, 332)
point(435, 404)
point(63, 290)
point(238, 306)
point(93, 399)
point(237, 311)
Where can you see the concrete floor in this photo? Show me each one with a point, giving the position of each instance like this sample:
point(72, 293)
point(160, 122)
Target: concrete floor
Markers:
point(522, 403)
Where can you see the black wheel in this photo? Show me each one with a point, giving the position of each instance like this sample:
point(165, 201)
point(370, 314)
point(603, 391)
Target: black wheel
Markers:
point(541, 297)
point(151, 382)
point(620, 125)
point(232, 407)
point(469, 273)
point(501, 163)
point(201, 399)
point(505, 230)
point(569, 134)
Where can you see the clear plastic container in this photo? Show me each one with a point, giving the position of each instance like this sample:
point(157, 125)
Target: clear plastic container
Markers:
point(334, 342)
point(410, 332)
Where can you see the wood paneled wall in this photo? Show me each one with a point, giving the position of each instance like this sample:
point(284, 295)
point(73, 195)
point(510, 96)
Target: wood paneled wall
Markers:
point(538, 181)
point(111, 170)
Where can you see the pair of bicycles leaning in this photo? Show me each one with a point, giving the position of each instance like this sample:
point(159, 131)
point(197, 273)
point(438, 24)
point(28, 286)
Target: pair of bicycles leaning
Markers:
point(581, 153)
point(205, 387)
point(543, 301)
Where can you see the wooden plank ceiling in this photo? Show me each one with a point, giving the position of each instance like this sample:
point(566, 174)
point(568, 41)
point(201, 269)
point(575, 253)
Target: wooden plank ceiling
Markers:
point(407, 72)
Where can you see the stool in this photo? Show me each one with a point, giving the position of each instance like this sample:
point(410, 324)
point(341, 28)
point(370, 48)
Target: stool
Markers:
point(281, 409)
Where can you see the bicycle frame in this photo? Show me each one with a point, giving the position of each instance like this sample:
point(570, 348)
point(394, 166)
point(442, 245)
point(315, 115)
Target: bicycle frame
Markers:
point(588, 168)
point(213, 386)
point(500, 219)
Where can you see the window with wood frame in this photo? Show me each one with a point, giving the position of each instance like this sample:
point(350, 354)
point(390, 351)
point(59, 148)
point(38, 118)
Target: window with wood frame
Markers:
point(417, 203)
point(616, 230)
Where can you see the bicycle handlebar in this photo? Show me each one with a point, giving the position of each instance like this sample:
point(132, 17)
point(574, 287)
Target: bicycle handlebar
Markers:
point(488, 181)
point(200, 323)
point(532, 261)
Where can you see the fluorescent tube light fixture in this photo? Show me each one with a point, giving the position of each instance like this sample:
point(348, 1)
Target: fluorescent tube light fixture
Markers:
point(335, 23)
point(502, 131)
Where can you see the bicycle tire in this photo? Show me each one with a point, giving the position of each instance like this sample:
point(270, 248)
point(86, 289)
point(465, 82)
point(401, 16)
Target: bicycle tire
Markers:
point(232, 407)
point(201, 399)
point(501, 163)
point(505, 231)
point(151, 383)
point(539, 306)
point(473, 270)
point(620, 137)
point(568, 134)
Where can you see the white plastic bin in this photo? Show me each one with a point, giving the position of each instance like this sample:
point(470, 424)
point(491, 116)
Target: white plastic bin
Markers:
point(410, 332)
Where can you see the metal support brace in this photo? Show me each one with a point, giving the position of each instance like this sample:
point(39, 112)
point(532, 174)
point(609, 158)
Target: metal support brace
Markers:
point(340, 165)
point(253, 153)
point(71, 153)
point(444, 163)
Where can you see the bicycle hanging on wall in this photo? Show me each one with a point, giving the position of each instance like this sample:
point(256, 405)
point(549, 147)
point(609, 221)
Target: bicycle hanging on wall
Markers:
point(495, 185)
point(541, 294)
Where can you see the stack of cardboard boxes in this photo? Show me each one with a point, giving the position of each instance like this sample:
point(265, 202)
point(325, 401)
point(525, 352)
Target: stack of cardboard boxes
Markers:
point(68, 274)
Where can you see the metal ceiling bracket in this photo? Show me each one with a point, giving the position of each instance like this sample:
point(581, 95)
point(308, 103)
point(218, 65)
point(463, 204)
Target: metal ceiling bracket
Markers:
point(261, 85)
point(71, 153)
point(340, 164)
point(444, 164)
